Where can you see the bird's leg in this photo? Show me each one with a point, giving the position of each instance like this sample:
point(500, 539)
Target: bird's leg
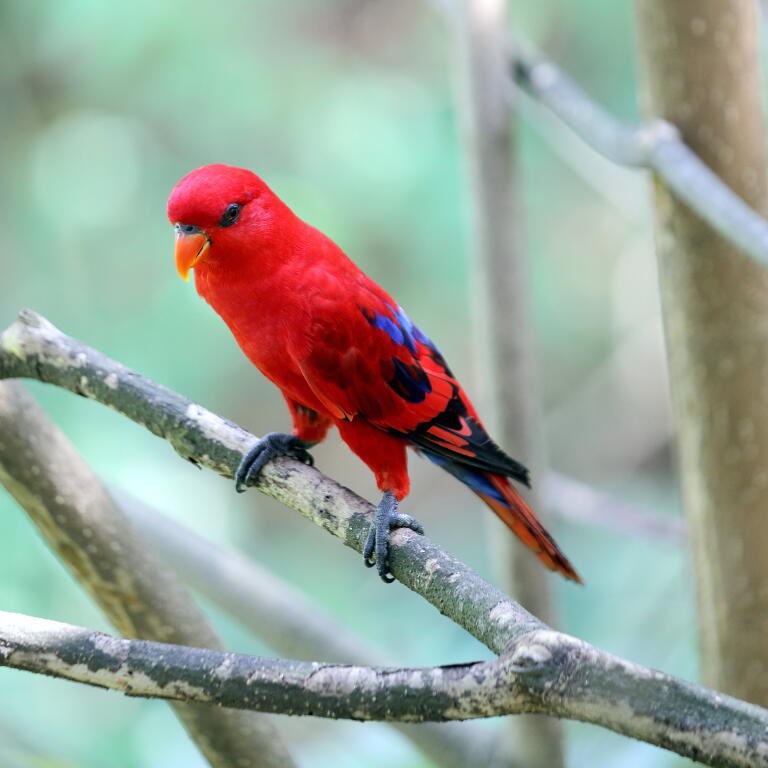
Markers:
point(270, 447)
point(385, 517)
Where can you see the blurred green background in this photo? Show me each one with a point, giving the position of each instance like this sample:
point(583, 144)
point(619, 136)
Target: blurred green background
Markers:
point(348, 109)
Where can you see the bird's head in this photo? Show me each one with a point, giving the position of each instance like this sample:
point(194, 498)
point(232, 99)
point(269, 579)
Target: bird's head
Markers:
point(218, 206)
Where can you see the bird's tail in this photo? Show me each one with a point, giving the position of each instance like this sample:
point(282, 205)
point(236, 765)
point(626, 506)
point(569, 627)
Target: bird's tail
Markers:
point(499, 494)
point(517, 515)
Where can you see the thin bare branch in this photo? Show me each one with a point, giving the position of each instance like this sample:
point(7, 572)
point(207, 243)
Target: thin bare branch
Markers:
point(656, 146)
point(572, 500)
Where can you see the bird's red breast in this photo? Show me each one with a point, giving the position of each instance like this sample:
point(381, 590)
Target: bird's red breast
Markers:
point(336, 343)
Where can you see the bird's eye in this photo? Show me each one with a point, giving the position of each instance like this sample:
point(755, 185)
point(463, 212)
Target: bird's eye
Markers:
point(230, 215)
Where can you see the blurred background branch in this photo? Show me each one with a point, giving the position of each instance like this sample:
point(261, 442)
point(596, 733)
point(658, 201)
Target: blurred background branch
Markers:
point(657, 146)
point(501, 333)
point(570, 499)
point(138, 593)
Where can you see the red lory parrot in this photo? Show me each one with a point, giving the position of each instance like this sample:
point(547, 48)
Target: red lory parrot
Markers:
point(342, 352)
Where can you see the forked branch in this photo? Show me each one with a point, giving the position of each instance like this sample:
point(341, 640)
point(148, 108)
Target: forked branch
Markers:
point(539, 670)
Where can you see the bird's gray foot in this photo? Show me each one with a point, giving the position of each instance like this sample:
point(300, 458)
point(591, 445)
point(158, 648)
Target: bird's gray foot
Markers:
point(385, 518)
point(269, 447)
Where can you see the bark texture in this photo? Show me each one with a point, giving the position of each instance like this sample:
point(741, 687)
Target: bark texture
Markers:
point(702, 74)
point(545, 672)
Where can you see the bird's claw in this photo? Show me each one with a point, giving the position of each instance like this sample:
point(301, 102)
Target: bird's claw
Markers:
point(385, 518)
point(267, 448)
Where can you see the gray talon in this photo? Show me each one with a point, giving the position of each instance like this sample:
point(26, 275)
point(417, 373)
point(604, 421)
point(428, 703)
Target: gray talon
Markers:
point(269, 447)
point(385, 517)
point(406, 521)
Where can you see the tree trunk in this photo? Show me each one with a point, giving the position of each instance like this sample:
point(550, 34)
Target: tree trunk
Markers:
point(502, 339)
point(702, 74)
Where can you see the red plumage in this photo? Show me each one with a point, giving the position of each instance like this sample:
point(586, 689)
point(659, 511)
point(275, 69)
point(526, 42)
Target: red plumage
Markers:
point(338, 346)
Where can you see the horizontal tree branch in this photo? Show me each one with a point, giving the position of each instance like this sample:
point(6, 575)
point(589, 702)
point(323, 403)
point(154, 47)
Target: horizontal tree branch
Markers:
point(161, 670)
point(507, 685)
point(539, 670)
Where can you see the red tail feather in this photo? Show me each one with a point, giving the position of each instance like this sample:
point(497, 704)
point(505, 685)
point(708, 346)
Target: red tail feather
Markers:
point(526, 526)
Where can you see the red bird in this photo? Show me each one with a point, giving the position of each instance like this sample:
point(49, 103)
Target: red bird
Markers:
point(341, 351)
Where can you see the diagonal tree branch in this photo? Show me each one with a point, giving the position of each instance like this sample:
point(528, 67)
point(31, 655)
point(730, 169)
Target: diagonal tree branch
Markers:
point(657, 146)
point(137, 592)
point(539, 671)
point(33, 348)
point(269, 607)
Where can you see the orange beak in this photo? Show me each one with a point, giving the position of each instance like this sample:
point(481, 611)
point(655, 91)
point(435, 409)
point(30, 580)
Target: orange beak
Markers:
point(190, 249)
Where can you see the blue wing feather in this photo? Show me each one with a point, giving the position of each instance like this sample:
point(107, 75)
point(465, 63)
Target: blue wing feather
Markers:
point(470, 476)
